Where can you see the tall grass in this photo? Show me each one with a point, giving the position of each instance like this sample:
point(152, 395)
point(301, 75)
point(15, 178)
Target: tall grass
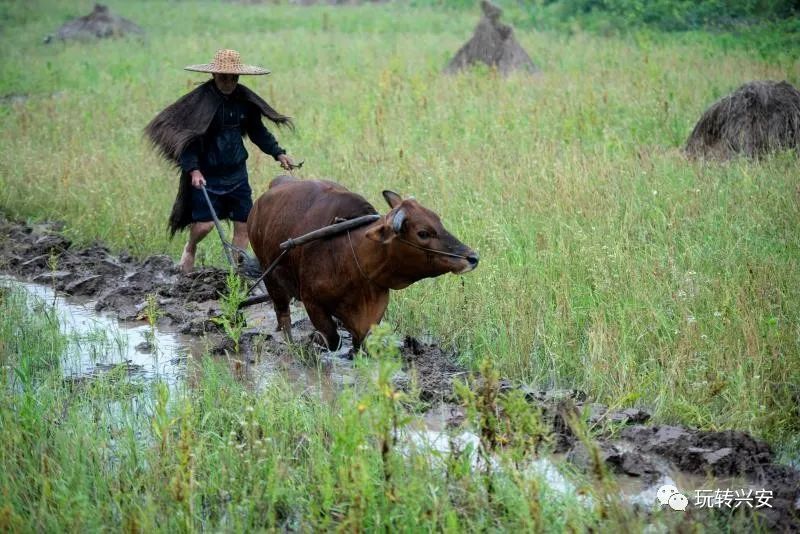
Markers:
point(609, 262)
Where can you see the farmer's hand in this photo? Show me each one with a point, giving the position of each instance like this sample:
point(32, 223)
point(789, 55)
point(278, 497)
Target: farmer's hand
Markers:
point(286, 162)
point(197, 179)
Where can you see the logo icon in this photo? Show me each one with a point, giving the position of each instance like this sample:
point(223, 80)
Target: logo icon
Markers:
point(669, 495)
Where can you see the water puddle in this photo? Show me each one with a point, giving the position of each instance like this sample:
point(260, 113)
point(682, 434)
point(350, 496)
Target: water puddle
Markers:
point(99, 344)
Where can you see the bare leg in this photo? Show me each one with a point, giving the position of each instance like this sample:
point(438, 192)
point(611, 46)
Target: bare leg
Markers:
point(197, 231)
point(240, 239)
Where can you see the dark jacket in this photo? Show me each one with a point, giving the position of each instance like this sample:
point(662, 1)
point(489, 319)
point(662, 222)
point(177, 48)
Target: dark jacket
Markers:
point(220, 153)
point(189, 119)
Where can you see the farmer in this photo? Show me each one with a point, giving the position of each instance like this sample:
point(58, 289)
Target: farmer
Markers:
point(202, 134)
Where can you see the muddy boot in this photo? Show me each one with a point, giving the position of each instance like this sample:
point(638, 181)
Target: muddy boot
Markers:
point(186, 265)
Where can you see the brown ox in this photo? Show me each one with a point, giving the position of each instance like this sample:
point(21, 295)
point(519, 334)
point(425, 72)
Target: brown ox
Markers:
point(349, 275)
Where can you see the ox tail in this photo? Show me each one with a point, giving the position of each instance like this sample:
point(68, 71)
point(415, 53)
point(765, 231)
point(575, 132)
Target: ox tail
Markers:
point(282, 179)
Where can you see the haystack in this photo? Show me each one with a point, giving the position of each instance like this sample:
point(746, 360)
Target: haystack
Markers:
point(337, 2)
point(98, 24)
point(757, 118)
point(494, 44)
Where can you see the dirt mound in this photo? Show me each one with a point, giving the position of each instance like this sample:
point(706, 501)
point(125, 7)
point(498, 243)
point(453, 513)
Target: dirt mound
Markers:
point(98, 24)
point(622, 462)
point(727, 453)
point(758, 118)
point(200, 285)
point(336, 2)
point(435, 369)
point(494, 44)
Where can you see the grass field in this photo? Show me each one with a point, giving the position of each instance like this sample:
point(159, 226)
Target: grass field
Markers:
point(608, 262)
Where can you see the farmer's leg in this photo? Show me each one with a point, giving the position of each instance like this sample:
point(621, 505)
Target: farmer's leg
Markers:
point(197, 231)
point(240, 238)
point(202, 225)
point(241, 201)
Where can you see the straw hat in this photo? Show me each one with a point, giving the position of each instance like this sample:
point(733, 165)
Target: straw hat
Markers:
point(227, 62)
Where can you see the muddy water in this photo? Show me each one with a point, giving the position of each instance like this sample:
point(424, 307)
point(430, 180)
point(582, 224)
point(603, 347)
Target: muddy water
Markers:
point(430, 433)
point(98, 343)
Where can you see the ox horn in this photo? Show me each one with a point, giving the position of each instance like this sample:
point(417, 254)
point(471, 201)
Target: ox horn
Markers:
point(398, 220)
point(392, 198)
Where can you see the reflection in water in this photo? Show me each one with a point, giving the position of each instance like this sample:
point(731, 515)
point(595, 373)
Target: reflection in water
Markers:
point(98, 343)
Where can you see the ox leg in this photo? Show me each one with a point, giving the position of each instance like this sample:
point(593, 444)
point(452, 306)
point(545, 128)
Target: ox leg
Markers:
point(358, 337)
point(359, 330)
point(359, 326)
point(280, 302)
point(324, 324)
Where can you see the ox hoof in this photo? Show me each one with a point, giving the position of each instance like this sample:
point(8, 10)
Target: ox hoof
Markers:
point(318, 339)
point(345, 353)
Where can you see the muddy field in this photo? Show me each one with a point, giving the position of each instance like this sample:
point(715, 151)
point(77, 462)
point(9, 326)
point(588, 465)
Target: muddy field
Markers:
point(651, 455)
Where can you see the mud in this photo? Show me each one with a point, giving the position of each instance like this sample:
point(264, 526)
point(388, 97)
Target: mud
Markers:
point(119, 284)
point(644, 455)
point(658, 454)
point(433, 368)
point(728, 453)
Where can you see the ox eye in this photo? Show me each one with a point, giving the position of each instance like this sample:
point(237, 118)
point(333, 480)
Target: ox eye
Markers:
point(422, 234)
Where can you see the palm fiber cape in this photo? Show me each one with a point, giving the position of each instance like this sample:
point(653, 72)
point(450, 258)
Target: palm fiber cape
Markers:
point(172, 130)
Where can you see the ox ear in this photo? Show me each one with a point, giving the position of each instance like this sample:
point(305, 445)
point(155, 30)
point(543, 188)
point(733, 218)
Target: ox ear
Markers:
point(392, 198)
point(383, 233)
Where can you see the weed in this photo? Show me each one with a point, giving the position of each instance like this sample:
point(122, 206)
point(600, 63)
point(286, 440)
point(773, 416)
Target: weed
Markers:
point(231, 318)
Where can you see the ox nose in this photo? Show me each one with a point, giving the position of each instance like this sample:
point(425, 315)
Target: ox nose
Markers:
point(473, 259)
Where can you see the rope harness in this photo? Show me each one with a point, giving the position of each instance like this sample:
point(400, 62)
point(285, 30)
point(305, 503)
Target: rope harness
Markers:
point(353, 250)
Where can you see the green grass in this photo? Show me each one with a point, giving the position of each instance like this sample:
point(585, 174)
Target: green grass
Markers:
point(609, 262)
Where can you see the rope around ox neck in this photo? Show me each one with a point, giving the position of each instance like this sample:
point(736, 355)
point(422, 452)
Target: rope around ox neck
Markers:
point(409, 243)
point(434, 251)
point(353, 250)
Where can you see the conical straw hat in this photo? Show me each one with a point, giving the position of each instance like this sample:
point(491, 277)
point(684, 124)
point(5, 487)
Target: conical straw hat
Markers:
point(227, 62)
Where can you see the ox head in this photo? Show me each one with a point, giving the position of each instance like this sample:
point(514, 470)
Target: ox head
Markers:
point(417, 244)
